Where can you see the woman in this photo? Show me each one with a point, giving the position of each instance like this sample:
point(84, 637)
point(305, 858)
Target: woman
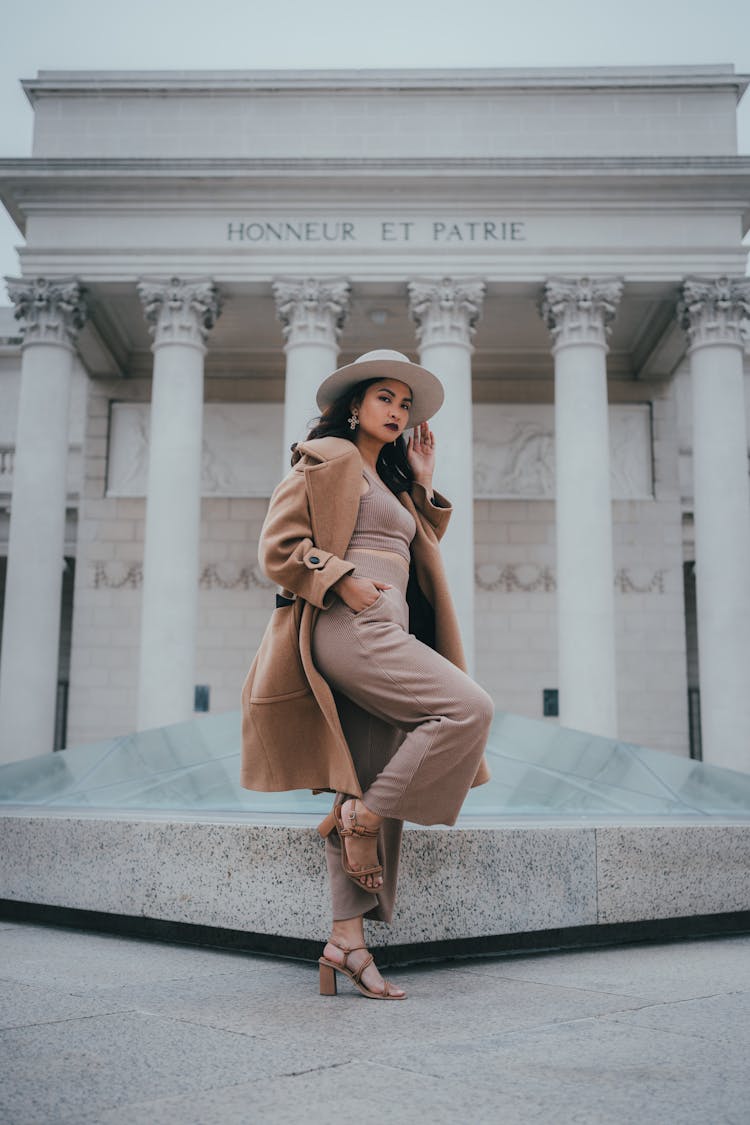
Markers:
point(358, 686)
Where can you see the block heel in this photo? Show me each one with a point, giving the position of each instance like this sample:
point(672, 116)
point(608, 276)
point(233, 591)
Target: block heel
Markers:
point(327, 979)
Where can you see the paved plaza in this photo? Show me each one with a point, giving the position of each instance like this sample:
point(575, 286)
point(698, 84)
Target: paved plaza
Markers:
point(106, 1029)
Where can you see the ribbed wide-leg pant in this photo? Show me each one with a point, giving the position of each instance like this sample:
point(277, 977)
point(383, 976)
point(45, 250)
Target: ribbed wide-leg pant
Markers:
point(415, 724)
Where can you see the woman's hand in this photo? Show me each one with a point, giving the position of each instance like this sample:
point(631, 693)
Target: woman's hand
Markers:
point(359, 593)
point(420, 453)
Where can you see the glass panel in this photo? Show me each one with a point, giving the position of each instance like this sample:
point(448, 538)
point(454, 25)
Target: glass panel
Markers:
point(538, 769)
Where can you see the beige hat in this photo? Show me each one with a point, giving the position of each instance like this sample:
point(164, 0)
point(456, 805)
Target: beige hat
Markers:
point(426, 388)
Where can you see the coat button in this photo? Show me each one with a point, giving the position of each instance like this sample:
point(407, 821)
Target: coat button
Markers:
point(313, 559)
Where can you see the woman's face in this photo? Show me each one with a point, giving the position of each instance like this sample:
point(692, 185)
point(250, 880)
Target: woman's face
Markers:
point(384, 410)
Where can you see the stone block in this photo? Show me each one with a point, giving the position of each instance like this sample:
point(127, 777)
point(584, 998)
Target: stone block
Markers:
point(672, 871)
point(271, 878)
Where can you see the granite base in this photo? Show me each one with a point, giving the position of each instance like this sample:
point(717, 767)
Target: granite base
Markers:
point(469, 884)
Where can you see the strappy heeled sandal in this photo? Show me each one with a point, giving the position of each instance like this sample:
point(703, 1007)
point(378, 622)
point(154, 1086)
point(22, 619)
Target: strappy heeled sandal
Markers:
point(328, 970)
point(335, 820)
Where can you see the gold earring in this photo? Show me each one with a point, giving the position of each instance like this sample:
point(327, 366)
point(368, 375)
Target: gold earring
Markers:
point(353, 420)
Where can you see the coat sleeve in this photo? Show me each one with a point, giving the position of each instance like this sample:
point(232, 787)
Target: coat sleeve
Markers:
point(437, 511)
point(287, 552)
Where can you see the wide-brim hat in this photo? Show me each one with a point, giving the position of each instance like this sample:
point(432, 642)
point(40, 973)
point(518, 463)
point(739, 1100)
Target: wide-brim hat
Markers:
point(426, 389)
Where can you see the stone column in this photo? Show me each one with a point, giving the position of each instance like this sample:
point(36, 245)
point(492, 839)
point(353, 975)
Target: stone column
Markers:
point(446, 312)
point(712, 313)
point(312, 312)
point(180, 315)
point(578, 313)
point(52, 313)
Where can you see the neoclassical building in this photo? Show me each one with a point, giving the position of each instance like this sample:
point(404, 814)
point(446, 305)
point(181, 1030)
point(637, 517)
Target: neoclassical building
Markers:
point(564, 248)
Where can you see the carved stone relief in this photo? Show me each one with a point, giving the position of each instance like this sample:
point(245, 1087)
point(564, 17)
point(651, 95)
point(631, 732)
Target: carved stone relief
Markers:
point(514, 452)
point(241, 448)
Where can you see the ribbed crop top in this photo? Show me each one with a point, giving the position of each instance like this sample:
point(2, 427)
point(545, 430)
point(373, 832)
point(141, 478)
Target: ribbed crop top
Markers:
point(383, 523)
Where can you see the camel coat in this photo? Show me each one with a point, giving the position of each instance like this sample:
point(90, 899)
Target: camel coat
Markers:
point(291, 734)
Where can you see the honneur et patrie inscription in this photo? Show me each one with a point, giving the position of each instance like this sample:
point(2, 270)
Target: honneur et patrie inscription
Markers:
point(301, 231)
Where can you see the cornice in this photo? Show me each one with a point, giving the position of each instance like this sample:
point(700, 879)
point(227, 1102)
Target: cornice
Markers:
point(713, 178)
point(724, 181)
point(522, 167)
point(229, 83)
point(178, 183)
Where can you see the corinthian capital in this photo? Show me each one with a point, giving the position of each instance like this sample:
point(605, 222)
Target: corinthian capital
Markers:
point(311, 310)
point(179, 312)
point(715, 310)
point(447, 310)
point(50, 311)
point(580, 310)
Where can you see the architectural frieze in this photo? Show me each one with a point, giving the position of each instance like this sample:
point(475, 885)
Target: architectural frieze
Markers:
point(311, 310)
point(715, 310)
point(107, 575)
point(513, 450)
point(533, 578)
point(51, 311)
point(508, 578)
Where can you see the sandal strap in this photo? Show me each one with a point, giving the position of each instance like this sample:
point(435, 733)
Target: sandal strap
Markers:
point(359, 872)
point(360, 830)
point(357, 973)
point(355, 827)
point(343, 948)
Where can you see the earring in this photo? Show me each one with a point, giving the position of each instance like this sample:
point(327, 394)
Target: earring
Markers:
point(353, 420)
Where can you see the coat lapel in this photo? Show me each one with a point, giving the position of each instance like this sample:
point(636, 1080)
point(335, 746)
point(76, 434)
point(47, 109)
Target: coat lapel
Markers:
point(333, 489)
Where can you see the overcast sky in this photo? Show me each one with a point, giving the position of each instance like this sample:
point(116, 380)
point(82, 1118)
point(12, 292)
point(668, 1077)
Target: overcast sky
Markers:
point(248, 35)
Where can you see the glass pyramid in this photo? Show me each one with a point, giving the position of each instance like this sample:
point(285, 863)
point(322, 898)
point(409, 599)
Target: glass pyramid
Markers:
point(538, 770)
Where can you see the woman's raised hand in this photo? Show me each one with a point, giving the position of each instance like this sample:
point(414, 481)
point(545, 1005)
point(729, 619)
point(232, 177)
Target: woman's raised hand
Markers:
point(420, 453)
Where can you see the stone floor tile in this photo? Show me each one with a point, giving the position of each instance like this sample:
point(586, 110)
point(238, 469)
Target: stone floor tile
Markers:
point(356, 1091)
point(601, 1037)
point(76, 960)
point(24, 1005)
point(719, 1019)
point(666, 971)
point(283, 1001)
point(55, 1072)
point(593, 1070)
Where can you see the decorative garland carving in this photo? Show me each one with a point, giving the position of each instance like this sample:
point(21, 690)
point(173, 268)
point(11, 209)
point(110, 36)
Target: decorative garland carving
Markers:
point(515, 578)
point(511, 578)
point(214, 577)
point(626, 585)
point(119, 576)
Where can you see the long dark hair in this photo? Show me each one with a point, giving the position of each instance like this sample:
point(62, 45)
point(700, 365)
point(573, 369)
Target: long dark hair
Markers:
point(392, 465)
